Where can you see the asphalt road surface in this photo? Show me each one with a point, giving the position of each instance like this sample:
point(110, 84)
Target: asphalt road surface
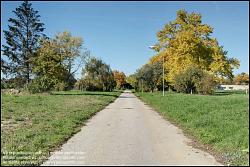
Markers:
point(128, 132)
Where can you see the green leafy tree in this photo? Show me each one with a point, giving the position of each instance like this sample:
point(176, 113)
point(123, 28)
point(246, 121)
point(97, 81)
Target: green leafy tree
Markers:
point(149, 77)
point(69, 49)
point(158, 74)
point(48, 65)
point(55, 61)
point(183, 83)
point(21, 41)
point(96, 75)
point(194, 80)
point(131, 79)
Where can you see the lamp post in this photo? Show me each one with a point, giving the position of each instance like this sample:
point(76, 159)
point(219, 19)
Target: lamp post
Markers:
point(163, 85)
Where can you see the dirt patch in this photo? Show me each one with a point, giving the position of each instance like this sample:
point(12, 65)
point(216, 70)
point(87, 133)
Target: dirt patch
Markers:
point(9, 125)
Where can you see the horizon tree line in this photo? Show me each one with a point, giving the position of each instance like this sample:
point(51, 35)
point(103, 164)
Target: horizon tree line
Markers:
point(194, 61)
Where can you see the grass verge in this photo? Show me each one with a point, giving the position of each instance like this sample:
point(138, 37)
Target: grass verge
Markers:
point(221, 123)
point(34, 125)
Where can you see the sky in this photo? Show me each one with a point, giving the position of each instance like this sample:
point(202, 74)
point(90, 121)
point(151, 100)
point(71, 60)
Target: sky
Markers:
point(120, 33)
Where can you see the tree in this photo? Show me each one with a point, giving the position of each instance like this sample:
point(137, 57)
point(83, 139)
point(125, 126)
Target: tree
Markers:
point(194, 80)
point(54, 62)
point(186, 81)
point(131, 79)
point(21, 41)
point(206, 84)
point(120, 79)
point(149, 76)
point(242, 78)
point(187, 42)
point(158, 74)
point(69, 50)
point(144, 77)
point(48, 65)
point(96, 75)
point(57, 60)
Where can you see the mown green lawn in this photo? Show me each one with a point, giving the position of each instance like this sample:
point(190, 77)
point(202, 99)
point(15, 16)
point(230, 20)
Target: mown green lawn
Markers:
point(37, 124)
point(220, 122)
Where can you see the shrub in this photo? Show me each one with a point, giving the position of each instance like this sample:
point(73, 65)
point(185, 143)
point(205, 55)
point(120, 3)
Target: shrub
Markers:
point(206, 84)
point(181, 83)
point(186, 81)
point(3, 84)
point(33, 87)
point(60, 86)
point(16, 83)
point(40, 84)
point(88, 84)
point(194, 80)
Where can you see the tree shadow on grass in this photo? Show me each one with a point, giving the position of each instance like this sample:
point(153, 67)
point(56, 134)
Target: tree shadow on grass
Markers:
point(83, 93)
point(220, 94)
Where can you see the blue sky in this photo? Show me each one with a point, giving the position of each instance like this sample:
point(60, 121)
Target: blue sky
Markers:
point(120, 32)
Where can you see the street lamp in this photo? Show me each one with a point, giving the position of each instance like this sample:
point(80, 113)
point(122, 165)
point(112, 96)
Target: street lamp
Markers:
point(163, 91)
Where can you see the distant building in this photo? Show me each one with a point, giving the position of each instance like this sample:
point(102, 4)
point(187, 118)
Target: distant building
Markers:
point(233, 87)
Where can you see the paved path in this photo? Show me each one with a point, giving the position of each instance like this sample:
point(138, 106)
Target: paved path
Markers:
point(128, 132)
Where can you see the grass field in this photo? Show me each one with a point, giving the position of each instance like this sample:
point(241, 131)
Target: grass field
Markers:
point(34, 125)
point(218, 122)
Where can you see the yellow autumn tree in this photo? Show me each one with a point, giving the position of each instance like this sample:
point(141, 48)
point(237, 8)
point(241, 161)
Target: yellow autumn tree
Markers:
point(186, 42)
point(242, 78)
point(120, 78)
